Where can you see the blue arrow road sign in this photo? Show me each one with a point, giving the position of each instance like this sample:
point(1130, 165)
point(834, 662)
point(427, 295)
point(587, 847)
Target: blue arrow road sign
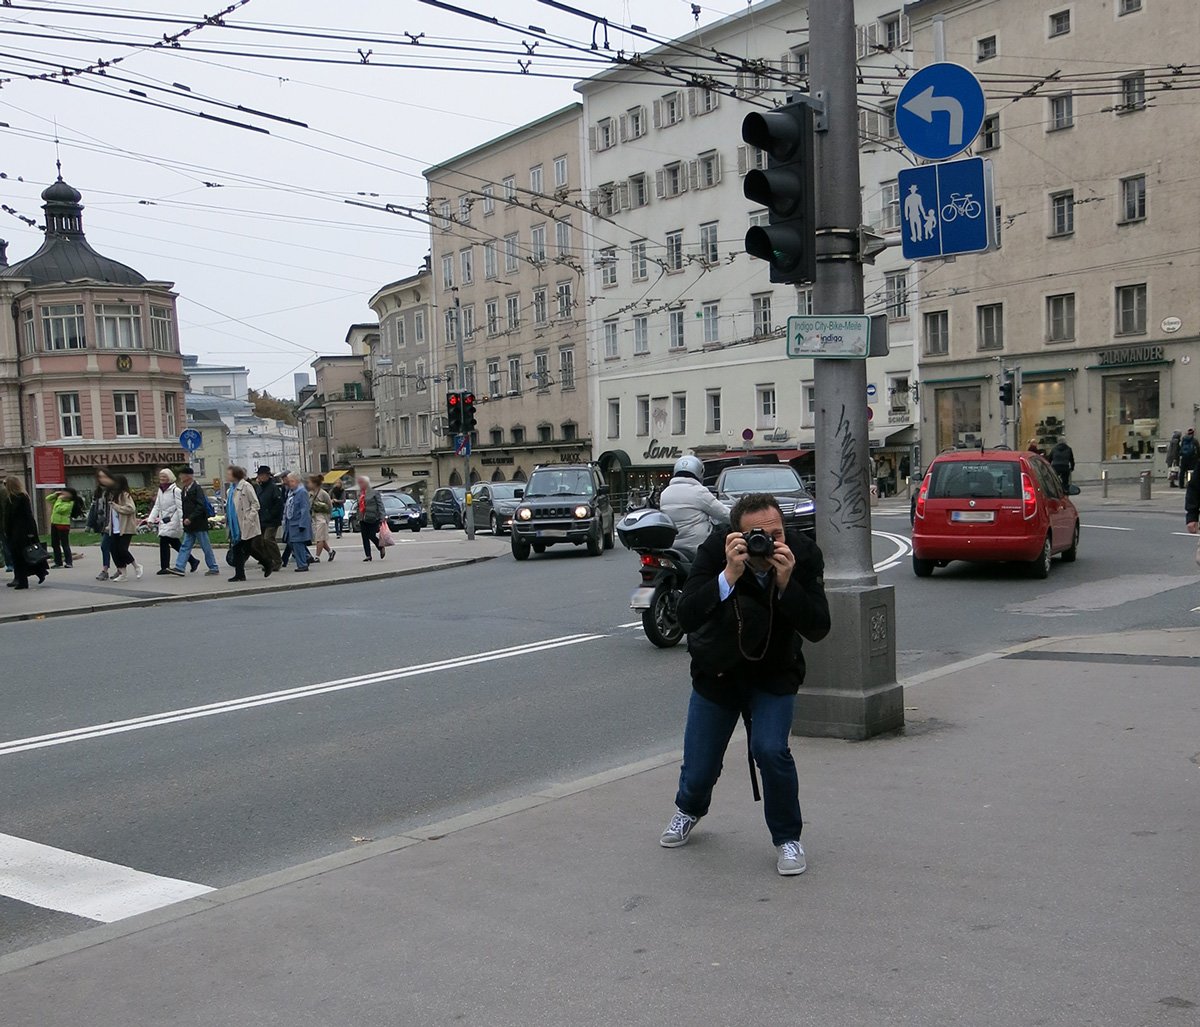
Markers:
point(462, 445)
point(940, 111)
point(945, 209)
point(190, 440)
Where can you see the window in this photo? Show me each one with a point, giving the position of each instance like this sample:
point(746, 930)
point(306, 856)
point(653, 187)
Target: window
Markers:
point(989, 323)
point(710, 247)
point(1062, 112)
point(545, 433)
point(62, 326)
point(535, 180)
point(489, 200)
point(607, 201)
point(959, 413)
point(612, 340)
point(510, 189)
point(889, 195)
point(444, 215)
point(541, 368)
point(760, 219)
point(423, 429)
point(70, 417)
point(514, 376)
point(634, 123)
point(464, 210)
point(637, 257)
point(641, 335)
point(711, 315)
point(169, 412)
point(1060, 317)
point(493, 379)
point(639, 191)
point(1131, 416)
point(1128, 7)
point(321, 432)
point(402, 379)
point(707, 101)
point(761, 304)
point(566, 369)
point(670, 110)
point(512, 250)
point(125, 413)
point(448, 271)
point(119, 325)
point(513, 311)
point(603, 136)
point(937, 333)
point(893, 31)
point(399, 332)
point(497, 436)
point(675, 250)
point(562, 238)
point(419, 327)
point(608, 267)
point(614, 418)
point(570, 431)
point(1131, 309)
point(490, 264)
point(405, 432)
point(887, 121)
point(808, 411)
point(765, 405)
point(560, 172)
point(985, 48)
point(1060, 23)
point(562, 293)
point(541, 305)
point(895, 288)
point(712, 415)
point(675, 332)
point(679, 413)
point(468, 321)
point(451, 333)
point(989, 135)
point(708, 169)
point(1133, 199)
point(804, 301)
point(28, 332)
point(672, 180)
point(1133, 92)
point(491, 316)
point(643, 415)
point(467, 263)
point(1062, 213)
point(537, 243)
point(518, 435)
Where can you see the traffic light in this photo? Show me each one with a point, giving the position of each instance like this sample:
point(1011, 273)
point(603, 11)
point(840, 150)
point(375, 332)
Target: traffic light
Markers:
point(468, 412)
point(787, 188)
point(454, 413)
point(1006, 392)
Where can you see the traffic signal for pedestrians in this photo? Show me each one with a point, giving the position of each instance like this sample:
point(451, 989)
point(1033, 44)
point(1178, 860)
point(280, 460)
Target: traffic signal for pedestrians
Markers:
point(454, 413)
point(787, 188)
point(1006, 392)
point(468, 412)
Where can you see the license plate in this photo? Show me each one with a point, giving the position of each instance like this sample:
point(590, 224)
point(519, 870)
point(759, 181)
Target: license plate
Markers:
point(641, 599)
point(973, 516)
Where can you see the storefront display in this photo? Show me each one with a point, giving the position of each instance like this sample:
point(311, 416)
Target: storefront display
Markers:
point(1131, 416)
point(959, 417)
point(1044, 412)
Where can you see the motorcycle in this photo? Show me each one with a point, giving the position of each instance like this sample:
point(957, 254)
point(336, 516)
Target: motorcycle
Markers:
point(650, 533)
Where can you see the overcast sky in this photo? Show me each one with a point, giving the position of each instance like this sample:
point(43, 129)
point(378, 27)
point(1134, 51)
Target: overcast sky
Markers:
point(271, 264)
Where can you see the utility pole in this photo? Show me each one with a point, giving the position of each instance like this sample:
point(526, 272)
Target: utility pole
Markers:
point(851, 689)
point(461, 386)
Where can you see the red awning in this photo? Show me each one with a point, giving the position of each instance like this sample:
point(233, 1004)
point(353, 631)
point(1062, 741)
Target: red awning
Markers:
point(783, 455)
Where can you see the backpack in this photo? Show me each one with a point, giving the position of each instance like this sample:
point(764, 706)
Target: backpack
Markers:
point(208, 507)
point(1187, 447)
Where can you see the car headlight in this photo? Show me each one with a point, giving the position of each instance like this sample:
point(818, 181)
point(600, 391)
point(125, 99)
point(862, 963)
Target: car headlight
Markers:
point(805, 508)
point(583, 512)
point(525, 514)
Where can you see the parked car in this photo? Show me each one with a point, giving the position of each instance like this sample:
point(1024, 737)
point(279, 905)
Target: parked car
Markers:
point(993, 505)
point(779, 480)
point(494, 503)
point(563, 503)
point(403, 512)
point(448, 506)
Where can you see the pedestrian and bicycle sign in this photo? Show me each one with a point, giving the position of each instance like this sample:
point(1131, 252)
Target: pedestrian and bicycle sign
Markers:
point(940, 111)
point(462, 445)
point(946, 209)
point(190, 440)
point(844, 336)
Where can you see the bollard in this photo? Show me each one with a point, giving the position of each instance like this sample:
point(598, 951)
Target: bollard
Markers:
point(1144, 484)
point(1104, 484)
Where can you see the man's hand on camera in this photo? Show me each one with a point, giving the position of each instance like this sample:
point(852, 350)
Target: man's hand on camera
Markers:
point(735, 557)
point(784, 562)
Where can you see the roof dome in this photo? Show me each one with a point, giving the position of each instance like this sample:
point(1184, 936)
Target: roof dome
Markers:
point(60, 192)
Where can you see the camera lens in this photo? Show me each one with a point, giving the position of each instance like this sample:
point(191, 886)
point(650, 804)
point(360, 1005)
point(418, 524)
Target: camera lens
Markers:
point(759, 543)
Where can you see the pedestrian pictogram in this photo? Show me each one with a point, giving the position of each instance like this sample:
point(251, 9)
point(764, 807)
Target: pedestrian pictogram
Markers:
point(462, 445)
point(190, 440)
point(940, 111)
point(944, 209)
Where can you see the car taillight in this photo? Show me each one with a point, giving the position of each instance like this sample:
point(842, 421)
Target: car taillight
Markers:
point(921, 498)
point(651, 561)
point(1028, 496)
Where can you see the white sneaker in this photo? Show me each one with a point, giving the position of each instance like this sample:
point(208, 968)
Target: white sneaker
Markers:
point(678, 830)
point(119, 577)
point(791, 859)
point(140, 570)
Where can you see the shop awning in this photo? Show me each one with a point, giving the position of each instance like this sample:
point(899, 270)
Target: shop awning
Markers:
point(892, 435)
point(614, 456)
point(782, 455)
point(333, 477)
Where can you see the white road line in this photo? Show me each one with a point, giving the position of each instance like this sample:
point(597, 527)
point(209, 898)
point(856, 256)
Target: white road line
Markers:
point(70, 883)
point(1184, 534)
point(1105, 527)
point(80, 734)
point(631, 624)
point(903, 548)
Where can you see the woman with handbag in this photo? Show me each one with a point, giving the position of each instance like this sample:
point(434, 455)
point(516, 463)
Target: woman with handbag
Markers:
point(99, 519)
point(167, 515)
point(370, 516)
point(28, 552)
point(123, 521)
point(245, 529)
point(322, 509)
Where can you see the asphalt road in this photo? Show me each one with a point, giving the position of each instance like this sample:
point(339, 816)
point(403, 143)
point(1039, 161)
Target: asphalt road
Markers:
point(412, 699)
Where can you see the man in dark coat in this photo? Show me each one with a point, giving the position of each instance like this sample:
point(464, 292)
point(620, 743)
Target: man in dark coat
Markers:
point(1062, 460)
point(270, 514)
point(1189, 455)
point(21, 530)
point(1191, 506)
point(753, 592)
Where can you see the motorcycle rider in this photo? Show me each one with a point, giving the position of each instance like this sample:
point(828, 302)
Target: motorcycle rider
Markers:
point(693, 509)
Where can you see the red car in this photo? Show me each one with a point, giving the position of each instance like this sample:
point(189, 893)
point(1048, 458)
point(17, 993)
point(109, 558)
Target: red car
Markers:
point(993, 505)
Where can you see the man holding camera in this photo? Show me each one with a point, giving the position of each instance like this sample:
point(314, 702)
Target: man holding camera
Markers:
point(752, 593)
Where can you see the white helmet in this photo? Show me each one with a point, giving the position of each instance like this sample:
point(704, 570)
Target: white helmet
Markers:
point(691, 465)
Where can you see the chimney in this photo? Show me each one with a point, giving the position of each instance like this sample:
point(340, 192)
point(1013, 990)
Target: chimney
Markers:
point(3, 253)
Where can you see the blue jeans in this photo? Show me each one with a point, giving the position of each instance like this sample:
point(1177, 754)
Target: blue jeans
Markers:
point(299, 554)
point(190, 538)
point(106, 549)
point(705, 739)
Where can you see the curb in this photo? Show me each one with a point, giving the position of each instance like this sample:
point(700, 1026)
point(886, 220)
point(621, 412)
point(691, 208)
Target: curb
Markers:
point(264, 589)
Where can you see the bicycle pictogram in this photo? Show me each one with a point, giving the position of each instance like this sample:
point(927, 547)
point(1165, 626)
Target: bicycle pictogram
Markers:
point(961, 203)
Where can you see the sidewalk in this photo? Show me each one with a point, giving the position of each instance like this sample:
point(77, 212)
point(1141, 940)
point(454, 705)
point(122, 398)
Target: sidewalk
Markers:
point(77, 591)
point(1027, 852)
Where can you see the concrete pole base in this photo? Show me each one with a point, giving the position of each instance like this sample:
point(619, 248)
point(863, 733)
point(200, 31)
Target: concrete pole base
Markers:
point(851, 690)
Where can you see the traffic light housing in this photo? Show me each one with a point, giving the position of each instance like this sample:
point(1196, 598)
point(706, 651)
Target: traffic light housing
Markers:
point(468, 413)
point(454, 413)
point(787, 188)
point(1006, 392)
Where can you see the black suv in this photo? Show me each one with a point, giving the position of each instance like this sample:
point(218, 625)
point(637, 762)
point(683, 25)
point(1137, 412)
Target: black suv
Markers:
point(563, 503)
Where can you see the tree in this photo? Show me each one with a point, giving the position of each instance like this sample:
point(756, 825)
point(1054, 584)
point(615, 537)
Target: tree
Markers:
point(272, 408)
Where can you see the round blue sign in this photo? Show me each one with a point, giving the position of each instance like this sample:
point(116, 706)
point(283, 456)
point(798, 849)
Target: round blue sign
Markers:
point(940, 111)
point(190, 440)
point(871, 390)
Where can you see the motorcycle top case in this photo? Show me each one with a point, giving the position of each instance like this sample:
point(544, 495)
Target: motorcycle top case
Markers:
point(647, 529)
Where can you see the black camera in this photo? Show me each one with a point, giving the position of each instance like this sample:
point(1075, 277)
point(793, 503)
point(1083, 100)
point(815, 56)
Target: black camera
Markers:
point(760, 544)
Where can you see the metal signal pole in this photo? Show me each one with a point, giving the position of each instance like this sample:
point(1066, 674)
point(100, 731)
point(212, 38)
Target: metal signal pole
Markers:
point(468, 513)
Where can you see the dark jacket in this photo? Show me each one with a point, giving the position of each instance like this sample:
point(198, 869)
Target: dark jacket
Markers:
point(771, 624)
point(21, 527)
point(270, 503)
point(1191, 499)
point(1062, 456)
point(195, 513)
point(1189, 452)
point(372, 507)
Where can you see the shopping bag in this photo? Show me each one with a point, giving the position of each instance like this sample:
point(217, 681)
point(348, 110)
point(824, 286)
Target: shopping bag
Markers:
point(385, 535)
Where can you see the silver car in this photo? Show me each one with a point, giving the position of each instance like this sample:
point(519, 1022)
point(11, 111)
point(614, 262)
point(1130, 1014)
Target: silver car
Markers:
point(494, 503)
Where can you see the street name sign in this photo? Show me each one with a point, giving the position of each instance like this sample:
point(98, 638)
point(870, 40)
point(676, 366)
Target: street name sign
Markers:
point(946, 209)
point(940, 111)
point(841, 336)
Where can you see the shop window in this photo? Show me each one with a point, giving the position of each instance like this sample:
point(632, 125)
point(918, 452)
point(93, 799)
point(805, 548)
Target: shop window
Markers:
point(1044, 412)
point(959, 417)
point(1130, 416)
